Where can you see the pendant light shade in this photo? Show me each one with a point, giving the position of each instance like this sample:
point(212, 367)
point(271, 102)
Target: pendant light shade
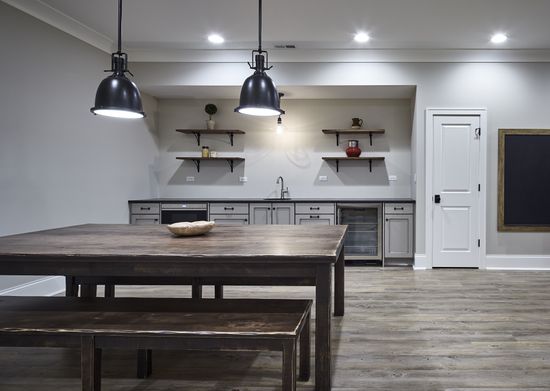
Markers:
point(117, 96)
point(259, 95)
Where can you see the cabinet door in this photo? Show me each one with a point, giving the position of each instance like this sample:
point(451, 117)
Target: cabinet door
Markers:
point(398, 235)
point(260, 213)
point(283, 213)
point(315, 219)
point(229, 219)
point(144, 219)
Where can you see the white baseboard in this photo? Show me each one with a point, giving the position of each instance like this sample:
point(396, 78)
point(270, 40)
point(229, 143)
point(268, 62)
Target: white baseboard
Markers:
point(421, 262)
point(517, 262)
point(47, 286)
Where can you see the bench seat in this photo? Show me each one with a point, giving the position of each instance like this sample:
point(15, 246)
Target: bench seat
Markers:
point(158, 323)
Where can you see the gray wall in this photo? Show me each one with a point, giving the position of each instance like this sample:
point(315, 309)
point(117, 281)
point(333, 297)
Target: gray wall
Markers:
point(515, 94)
point(295, 154)
point(60, 165)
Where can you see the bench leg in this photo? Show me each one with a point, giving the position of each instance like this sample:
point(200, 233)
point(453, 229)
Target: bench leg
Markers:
point(88, 290)
point(289, 365)
point(305, 352)
point(71, 287)
point(90, 364)
point(109, 290)
point(144, 363)
point(196, 290)
point(218, 291)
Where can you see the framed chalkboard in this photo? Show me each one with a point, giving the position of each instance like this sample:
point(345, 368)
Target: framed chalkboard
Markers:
point(524, 180)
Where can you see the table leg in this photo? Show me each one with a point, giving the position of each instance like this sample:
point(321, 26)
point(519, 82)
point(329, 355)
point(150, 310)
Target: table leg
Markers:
point(339, 285)
point(323, 298)
point(144, 363)
point(289, 365)
point(88, 290)
point(71, 288)
point(196, 289)
point(218, 291)
point(90, 363)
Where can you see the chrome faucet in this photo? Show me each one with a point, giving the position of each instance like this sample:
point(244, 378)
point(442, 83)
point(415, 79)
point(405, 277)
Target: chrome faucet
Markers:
point(283, 190)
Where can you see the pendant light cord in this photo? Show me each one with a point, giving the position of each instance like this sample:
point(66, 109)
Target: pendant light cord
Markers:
point(120, 26)
point(259, 26)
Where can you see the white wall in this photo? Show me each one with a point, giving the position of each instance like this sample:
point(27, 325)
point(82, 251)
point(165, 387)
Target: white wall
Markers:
point(59, 164)
point(515, 94)
point(295, 154)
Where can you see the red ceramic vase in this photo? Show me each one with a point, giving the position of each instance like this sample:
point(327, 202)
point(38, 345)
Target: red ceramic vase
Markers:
point(353, 149)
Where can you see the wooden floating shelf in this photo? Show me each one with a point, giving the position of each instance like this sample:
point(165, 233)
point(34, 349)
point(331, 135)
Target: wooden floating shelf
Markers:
point(337, 132)
point(197, 160)
point(197, 133)
point(338, 158)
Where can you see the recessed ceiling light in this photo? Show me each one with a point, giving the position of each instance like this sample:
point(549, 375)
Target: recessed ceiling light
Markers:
point(362, 37)
point(216, 38)
point(499, 38)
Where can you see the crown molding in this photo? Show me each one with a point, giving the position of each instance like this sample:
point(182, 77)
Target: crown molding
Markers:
point(63, 22)
point(344, 55)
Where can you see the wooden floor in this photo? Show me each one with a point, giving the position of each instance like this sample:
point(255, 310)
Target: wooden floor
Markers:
point(452, 330)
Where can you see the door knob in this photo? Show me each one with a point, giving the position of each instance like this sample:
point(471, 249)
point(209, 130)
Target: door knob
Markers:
point(437, 199)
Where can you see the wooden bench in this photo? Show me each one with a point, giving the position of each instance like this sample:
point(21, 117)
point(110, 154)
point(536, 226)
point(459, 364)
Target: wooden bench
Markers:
point(158, 323)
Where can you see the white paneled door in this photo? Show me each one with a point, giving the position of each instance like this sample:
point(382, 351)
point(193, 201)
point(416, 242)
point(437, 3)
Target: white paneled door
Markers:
point(456, 191)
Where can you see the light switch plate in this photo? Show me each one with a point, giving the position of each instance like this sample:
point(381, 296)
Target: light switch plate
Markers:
point(243, 179)
point(392, 177)
point(323, 178)
point(190, 179)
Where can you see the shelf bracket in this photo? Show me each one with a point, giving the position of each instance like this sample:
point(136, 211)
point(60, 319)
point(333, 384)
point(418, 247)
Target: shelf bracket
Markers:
point(230, 162)
point(338, 139)
point(337, 165)
point(370, 165)
point(197, 164)
point(231, 138)
point(370, 136)
point(198, 137)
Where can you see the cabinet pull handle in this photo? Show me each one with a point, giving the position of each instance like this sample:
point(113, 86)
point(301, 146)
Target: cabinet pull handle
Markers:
point(314, 208)
point(228, 208)
point(144, 208)
point(314, 217)
point(402, 208)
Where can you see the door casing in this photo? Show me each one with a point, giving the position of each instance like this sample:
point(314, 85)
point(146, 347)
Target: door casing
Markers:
point(429, 155)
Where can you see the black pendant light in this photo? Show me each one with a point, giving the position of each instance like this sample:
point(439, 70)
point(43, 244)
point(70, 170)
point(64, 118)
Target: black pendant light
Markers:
point(117, 96)
point(259, 95)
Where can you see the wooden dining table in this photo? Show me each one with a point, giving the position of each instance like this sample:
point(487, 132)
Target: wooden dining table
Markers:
point(266, 254)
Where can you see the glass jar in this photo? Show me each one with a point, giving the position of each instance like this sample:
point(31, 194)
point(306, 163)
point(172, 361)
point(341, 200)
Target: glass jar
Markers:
point(205, 151)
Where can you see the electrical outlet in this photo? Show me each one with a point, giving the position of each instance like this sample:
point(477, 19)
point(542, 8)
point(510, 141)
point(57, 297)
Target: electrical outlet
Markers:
point(190, 179)
point(243, 179)
point(323, 178)
point(392, 177)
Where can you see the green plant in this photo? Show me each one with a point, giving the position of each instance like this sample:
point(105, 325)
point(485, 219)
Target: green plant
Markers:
point(210, 109)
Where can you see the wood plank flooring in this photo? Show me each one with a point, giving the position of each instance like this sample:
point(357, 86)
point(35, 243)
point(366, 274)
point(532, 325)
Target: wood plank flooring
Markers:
point(452, 330)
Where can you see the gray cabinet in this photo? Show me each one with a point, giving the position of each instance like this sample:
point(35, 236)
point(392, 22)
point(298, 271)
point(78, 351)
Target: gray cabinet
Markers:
point(229, 213)
point(272, 213)
point(398, 231)
point(321, 213)
point(144, 213)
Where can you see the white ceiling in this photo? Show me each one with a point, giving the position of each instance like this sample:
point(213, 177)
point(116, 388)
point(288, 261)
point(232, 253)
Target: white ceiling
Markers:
point(319, 24)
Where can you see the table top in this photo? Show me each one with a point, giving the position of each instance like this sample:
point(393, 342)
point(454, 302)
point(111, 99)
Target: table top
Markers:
point(124, 242)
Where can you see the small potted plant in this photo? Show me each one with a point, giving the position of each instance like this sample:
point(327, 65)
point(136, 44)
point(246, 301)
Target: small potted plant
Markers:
point(210, 109)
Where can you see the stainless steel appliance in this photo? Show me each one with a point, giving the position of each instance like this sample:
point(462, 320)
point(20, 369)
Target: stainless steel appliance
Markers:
point(364, 237)
point(178, 212)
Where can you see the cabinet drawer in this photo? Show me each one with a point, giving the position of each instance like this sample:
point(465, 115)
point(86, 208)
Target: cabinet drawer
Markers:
point(317, 208)
point(144, 219)
point(145, 208)
point(229, 208)
point(222, 219)
point(398, 208)
point(315, 219)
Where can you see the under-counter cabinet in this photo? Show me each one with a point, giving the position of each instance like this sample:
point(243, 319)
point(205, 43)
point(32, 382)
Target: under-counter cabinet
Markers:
point(315, 213)
point(230, 213)
point(144, 213)
point(272, 213)
point(398, 230)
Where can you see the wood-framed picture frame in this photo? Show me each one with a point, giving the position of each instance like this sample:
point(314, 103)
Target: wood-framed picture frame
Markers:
point(523, 180)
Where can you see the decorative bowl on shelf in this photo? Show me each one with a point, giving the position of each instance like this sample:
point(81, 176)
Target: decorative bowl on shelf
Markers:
point(192, 228)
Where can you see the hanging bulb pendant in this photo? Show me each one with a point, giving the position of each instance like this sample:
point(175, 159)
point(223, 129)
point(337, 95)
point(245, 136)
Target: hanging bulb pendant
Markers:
point(259, 95)
point(117, 96)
